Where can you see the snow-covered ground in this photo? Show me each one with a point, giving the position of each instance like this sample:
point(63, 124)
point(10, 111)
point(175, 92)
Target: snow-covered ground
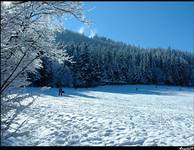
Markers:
point(108, 115)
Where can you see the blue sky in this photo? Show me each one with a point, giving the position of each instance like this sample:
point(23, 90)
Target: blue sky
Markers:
point(145, 24)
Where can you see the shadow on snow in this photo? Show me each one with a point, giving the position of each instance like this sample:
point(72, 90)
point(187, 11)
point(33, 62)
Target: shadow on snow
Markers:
point(115, 89)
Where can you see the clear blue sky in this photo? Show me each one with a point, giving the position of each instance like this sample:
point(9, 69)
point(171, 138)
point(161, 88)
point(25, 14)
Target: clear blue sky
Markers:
point(145, 24)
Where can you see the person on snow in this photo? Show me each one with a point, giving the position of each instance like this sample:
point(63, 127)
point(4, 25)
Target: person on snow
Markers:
point(60, 91)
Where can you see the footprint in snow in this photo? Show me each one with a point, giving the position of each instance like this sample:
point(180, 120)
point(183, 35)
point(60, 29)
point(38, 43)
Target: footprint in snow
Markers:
point(132, 125)
point(121, 128)
point(85, 134)
point(60, 115)
point(108, 131)
point(60, 141)
point(73, 117)
point(56, 133)
point(80, 119)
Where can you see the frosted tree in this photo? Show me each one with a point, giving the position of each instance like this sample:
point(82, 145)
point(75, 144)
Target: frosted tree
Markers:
point(27, 34)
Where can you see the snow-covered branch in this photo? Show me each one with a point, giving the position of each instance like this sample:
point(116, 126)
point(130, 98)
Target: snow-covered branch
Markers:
point(27, 30)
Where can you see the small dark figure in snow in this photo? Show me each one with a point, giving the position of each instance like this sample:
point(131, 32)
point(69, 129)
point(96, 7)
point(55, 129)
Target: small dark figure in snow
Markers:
point(136, 88)
point(60, 91)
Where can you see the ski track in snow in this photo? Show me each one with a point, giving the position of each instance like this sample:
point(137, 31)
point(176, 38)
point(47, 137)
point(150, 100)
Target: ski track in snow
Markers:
point(108, 116)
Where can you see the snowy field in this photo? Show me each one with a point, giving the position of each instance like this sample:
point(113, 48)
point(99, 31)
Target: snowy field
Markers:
point(107, 116)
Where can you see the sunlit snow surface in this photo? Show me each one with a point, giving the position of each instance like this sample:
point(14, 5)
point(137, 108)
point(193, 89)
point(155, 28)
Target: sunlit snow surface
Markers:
point(108, 116)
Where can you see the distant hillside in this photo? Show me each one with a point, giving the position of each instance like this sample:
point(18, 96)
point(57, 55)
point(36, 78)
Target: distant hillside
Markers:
point(99, 60)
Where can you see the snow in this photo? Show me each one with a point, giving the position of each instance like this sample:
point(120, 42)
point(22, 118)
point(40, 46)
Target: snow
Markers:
point(108, 116)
